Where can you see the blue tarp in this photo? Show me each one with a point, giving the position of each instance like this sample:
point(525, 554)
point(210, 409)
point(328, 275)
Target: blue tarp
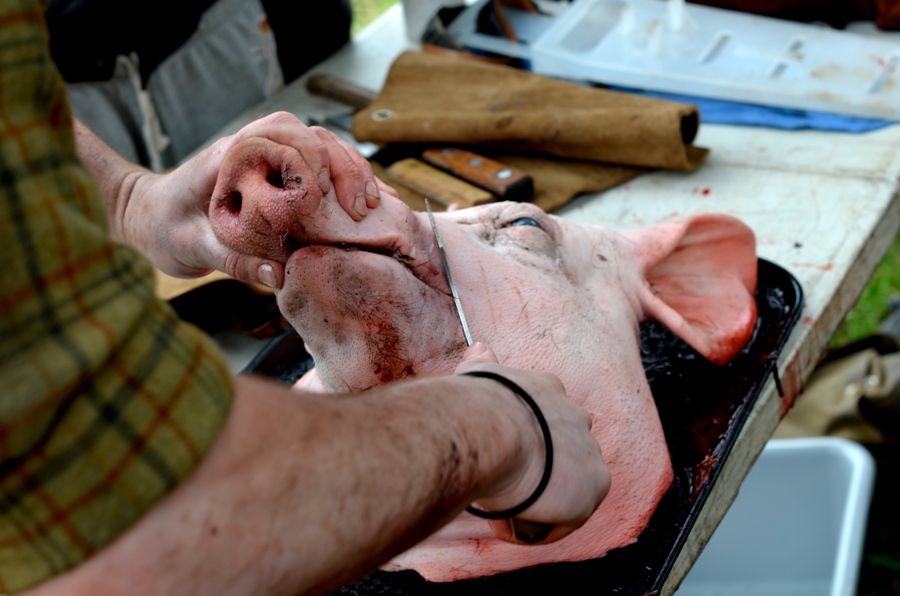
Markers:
point(719, 111)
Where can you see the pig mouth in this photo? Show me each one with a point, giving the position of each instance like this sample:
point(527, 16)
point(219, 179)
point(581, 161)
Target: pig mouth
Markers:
point(423, 265)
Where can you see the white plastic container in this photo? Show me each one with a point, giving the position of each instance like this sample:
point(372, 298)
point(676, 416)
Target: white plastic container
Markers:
point(797, 526)
point(704, 51)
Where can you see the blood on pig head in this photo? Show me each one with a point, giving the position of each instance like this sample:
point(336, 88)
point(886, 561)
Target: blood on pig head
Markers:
point(372, 303)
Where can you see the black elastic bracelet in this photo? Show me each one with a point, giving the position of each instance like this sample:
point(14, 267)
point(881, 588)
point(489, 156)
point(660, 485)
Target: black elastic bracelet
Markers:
point(548, 448)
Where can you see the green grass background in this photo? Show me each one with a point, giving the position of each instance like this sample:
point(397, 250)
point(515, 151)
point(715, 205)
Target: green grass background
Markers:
point(366, 11)
point(872, 305)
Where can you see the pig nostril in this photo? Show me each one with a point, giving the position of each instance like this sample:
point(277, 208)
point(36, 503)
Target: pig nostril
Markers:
point(274, 178)
point(233, 202)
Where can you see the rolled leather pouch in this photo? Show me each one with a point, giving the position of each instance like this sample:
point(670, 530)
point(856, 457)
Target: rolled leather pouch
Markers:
point(430, 98)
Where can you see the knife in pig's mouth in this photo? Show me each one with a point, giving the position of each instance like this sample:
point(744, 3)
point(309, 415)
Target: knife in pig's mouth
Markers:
point(453, 292)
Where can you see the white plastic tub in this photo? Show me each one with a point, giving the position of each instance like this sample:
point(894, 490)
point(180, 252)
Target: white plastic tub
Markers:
point(796, 527)
point(702, 51)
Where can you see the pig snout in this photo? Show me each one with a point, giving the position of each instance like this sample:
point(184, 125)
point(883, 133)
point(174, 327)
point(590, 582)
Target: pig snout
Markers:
point(267, 203)
point(264, 194)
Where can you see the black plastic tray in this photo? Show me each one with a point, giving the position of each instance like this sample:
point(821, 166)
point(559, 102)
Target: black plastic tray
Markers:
point(702, 408)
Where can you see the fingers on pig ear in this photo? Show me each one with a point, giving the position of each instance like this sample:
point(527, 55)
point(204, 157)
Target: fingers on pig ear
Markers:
point(355, 190)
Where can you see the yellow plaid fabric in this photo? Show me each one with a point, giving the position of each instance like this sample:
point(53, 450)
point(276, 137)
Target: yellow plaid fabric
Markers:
point(107, 400)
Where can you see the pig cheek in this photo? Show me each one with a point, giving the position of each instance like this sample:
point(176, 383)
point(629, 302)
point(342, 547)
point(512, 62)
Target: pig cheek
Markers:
point(530, 315)
point(365, 319)
point(556, 327)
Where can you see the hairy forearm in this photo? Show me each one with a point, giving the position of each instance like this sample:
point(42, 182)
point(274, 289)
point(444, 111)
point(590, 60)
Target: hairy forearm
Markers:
point(301, 493)
point(115, 175)
point(164, 216)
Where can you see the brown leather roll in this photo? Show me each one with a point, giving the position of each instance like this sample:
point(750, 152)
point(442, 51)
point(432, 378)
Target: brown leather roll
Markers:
point(430, 98)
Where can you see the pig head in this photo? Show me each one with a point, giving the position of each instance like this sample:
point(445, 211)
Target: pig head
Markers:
point(372, 304)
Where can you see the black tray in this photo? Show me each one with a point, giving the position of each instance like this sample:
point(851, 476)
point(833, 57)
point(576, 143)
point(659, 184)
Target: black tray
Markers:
point(702, 408)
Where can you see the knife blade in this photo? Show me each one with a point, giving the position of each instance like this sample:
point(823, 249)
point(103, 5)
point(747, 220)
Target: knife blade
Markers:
point(523, 530)
point(453, 292)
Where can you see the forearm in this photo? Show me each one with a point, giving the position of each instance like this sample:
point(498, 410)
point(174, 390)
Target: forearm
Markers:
point(163, 216)
point(115, 175)
point(304, 493)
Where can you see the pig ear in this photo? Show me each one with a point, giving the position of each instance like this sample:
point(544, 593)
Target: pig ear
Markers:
point(700, 280)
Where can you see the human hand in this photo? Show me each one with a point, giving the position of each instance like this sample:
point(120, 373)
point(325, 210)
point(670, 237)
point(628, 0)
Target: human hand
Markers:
point(580, 479)
point(167, 215)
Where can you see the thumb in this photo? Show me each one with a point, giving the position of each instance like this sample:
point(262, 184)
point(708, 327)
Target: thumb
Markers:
point(477, 353)
point(255, 270)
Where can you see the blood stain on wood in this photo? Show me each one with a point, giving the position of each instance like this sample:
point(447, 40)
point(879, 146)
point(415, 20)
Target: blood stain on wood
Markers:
point(826, 267)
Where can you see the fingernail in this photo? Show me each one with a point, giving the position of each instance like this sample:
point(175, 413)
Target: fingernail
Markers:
point(372, 190)
point(324, 180)
point(359, 205)
point(476, 349)
point(266, 276)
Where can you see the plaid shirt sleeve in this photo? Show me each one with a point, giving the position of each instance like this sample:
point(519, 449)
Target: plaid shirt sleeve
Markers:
point(108, 399)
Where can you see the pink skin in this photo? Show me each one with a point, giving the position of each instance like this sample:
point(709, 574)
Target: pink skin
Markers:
point(373, 306)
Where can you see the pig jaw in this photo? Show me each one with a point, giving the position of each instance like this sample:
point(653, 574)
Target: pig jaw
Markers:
point(367, 318)
point(360, 293)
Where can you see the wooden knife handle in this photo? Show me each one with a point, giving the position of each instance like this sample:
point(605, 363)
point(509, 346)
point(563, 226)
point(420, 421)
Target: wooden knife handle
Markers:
point(435, 184)
point(507, 182)
point(340, 90)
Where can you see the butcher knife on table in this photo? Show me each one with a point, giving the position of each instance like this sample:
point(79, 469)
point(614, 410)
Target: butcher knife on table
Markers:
point(406, 162)
point(522, 529)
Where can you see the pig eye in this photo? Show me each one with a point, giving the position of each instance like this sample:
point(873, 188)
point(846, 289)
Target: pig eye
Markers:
point(525, 221)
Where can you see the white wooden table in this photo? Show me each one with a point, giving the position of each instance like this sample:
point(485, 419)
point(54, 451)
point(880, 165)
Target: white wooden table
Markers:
point(825, 206)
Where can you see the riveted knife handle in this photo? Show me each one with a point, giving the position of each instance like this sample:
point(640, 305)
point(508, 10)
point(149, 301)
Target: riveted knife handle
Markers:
point(437, 185)
point(507, 182)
